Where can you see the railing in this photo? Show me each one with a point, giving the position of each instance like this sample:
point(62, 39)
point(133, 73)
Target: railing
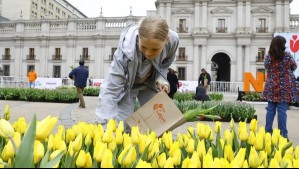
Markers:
point(30, 57)
point(6, 57)
point(56, 57)
point(261, 29)
point(221, 30)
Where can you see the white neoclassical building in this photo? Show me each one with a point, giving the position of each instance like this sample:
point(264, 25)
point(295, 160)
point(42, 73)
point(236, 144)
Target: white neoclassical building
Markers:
point(227, 37)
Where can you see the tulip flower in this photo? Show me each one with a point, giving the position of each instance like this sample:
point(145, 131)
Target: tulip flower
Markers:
point(173, 147)
point(228, 137)
point(81, 159)
point(88, 162)
point(6, 129)
point(201, 148)
point(185, 163)
point(253, 125)
point(176, 157)
point(50, 142)
point(167, 139)
point(228, 152)
point(77, 143)
point(108, 136)
point(127, 140)
point(251, 138)
point(190, 132)
point(161, 160)
point(169, 163)
point(99, 150)
point(207, 161)
point(38, 151)
point(97, 137)
point(135, 135)
point(107, 159)
point(277, 155)
point(119, 136)
point(253, 158)
point(20, 125)
point(87, 140)
point(8, 151)
point(217, 127)
point(53, 155)
point(263, 159)
point(1, 163)
point(57, 141)
point(275, 136)
point(295, 163)
point(6, 112)
point(143, 164)
point(45, 127)
point(70, 135)
point(111, 125)
point(195, 161)
point(274, 163)
point(154, 163)
point(127, 156)
point(259, 142)
point(296, 152)
point(190, 146)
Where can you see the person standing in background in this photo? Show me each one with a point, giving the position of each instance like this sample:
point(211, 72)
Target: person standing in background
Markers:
point(204, 79)
point(281, 87)
point(173, 81)
point(32, 76)
point(80, 75)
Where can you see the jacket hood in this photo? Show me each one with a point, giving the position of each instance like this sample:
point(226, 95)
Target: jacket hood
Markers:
point(127, 43)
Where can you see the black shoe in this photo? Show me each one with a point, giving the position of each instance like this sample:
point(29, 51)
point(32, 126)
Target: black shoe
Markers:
point(81, 106)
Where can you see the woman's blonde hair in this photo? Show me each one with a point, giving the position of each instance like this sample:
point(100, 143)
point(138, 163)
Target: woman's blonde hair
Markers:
point(154, 27)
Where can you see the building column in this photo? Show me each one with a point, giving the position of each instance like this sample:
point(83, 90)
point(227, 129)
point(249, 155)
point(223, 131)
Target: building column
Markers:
point(70, 55)
point(99, 61)
point(239, 68)
point(248, 17)
point(161, 10)
point(240, 15)
point(196, 62)
point(279, 16)
point(203, 62)
point(247, 59)
point(168, 13)
point(204, 16)
point(43, 58)
point(286, 16)
point(17, 68)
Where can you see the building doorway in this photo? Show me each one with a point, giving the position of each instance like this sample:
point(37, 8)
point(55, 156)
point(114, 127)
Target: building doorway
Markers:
point(222, 62)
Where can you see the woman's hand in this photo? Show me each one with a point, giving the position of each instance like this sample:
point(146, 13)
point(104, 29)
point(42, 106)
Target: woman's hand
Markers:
point(163, 87)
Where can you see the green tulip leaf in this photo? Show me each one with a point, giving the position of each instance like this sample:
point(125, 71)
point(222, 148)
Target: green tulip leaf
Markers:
point(54, 161)
point(45, 159)
point(24, 156)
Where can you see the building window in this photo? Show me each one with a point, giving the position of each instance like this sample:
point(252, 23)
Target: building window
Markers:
point(84, 55)
point(182, 56)
point(6, 70)
point(182, 26)
point(262, 70)
point(31, 55)
point(221, 26)
point(57, 55)
point(56, 71)
point(262, 28)
point(29, 67)
point(181, 73)
point(112, 53)
point(261, 55)
point(6, 55)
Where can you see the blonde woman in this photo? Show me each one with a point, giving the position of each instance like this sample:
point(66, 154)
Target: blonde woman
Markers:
point(139, 68)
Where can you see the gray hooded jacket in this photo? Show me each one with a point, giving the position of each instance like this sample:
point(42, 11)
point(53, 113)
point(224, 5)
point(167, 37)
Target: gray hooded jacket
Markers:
point(122, 71)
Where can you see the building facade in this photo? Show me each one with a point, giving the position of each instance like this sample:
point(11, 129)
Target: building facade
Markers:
point(225, 37)
point(38, 9)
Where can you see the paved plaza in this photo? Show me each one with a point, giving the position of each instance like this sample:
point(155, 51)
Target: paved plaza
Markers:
point(70, 114)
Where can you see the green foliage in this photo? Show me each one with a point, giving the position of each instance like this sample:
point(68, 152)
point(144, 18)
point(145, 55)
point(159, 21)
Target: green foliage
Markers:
point(216, 96)
point(252, 96)
point(91, 91)
point(183, 96)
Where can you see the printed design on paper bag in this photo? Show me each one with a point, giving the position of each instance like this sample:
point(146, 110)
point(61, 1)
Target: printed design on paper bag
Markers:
point(159, 110)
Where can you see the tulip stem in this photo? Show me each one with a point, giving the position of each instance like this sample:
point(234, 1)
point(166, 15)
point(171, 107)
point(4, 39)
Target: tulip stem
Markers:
point(13, 144)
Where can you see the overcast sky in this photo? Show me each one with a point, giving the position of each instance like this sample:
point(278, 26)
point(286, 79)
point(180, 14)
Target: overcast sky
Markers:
point(92, 8)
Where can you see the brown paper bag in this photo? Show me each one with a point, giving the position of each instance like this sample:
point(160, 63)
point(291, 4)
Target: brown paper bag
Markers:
point(159, 114)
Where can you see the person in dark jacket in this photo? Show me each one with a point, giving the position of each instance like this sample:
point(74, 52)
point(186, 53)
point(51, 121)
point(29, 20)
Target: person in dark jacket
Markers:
point(204, 79)
point(201, 93)
point(80, 75)
point(173, 82)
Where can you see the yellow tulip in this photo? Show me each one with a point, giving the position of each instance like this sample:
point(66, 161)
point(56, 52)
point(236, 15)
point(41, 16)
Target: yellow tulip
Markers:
point(17, 139)
point(111, 125)
point(161, 160)
point(6, 112)
point(81, 159)
point(107, 159)
point(295, 163)
point(175, 145)
point(20, 125)
point(274, 163)
point(190, 146)
point(8, 151)
point(194, 161)
point(169, 163)
point(119, 136)
point(275, 136)
point(112, 146)
point(88, 162)
point(154, 163)
point(135, 135)
point(38, 151)
point(181, 141)
point(190, 132)
point(143, 164)
point(70, 135)
point(185, 163)
point(57, 141)
point(1, 163)
point(259, 142)
point(53, 155)
point(251, 138)
point(228, 137)
point(61, 131)
point(127, 156)
point(277, 155)
point(232, 124)
point(50, 142)
point(99, 150)
point(253, 158)
point(97, 137)
point(127, 140)
point(207, 132)
point(243, 135)
point(45, 127)
point(177, 156)
point(167, 139)
point(6, 129)
point(108, 136)
point(245, 164)
point(217, 127)
point(253, 125)
point(87, 140)
point(77, 143)
point(207, 161)
point(121, 126)
point(263, 159)
point(228, 152)
point(296, 152)
point(201, 148)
